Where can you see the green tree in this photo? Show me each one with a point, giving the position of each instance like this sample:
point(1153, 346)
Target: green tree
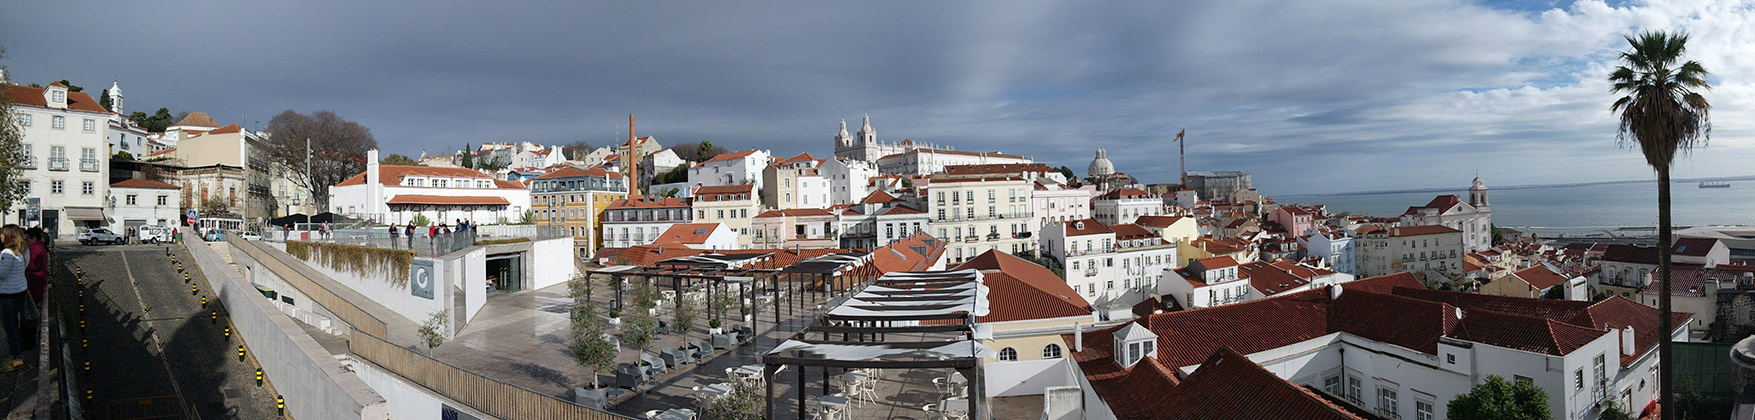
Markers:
point(1613, 411)
point(11, 153)
point(468, 157)
point(157, 122)
point(104, 100)
point(122, 155)
point(334, 148)
point(399, 159)
point(1498, 238)
point(706, 150)
point(686, 315)
point(589, 348)
point(639, 328)
point(528, 218)
point(745, 402)
point(421, 220)
point(71, 87)
point(1499, 399)
point(1066, 172)
point(1663, 113)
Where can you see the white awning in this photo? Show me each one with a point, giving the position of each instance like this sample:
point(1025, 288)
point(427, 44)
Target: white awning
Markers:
point(83, 213)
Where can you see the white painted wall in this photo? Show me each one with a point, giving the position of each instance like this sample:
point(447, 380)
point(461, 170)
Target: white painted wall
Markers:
point(379, 288)
point(552, 260)
point(405, 400)
point(1030, 377)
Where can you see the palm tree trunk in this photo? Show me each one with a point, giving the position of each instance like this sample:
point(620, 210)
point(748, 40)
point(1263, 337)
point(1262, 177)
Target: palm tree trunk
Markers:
point(1663, 291)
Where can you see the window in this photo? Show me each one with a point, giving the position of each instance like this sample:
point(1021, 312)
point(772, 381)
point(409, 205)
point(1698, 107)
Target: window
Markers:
point(1422, 410)
point(1008, 354)
point(60, 96)
point(1578, 380)
point(57, 186)
point(91, 125)
point(132, 198)
point(88, 188)
point(1355, 387)
point(58, 122)
point(1133, 352)
point(1332, 384)
point(1600, 374)
point(1450, 358)
point(1386, 401)
point(1051, 351)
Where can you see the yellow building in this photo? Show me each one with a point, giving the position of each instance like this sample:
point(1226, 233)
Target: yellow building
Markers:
point(573, 199)
point(1028, 308)
point(732, 205)
point(1174, 229)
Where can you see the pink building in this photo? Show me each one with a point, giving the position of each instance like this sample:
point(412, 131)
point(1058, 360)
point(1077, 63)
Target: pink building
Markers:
point(1297, 221)
point(794, 228)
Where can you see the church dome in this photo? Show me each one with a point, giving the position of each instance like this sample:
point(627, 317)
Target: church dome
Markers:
point(1100, 167)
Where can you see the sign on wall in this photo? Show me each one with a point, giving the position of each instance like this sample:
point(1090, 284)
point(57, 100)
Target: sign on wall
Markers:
point(420, 278)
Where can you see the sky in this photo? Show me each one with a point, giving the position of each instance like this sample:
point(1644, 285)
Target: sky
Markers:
point(1317, 96)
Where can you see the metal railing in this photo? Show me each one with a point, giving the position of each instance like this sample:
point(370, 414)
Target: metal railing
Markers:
point(28, 162)
point(88, 165)
point(422, 243)
point(57, 164)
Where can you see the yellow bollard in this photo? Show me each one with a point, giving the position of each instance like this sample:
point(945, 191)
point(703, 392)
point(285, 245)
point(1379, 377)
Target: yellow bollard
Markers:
point(194, 289)
point(280, 404)
point(240, 352)
point(87, 366)
point(258, 376)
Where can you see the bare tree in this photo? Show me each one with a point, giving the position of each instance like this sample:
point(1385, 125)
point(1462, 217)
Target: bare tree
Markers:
point(576, 150)
point(338, 149)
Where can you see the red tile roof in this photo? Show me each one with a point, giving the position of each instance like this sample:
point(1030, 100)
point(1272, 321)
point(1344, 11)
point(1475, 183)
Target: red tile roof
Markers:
point(1540, 277)
point(730, 156)
point(917, 252)
point(878, 197)
point(1021, 290)
point(1157, 222)
point(1133, 393)
point(1129, 231)
point(569, 172)
point(687, 233)
point(144, 183)
point(725, 192)
point(197, 119)
point(33, 96)
point(1694, 247)
point(645, 255)
point(1221, 261)
point(1524, 333)
point(1630, 254)
point(1406, 231)
point(902, 209)
point(1618, 312)
point(1277, 277)
point(1229, 386)
point(447, 200)
point(1125, 193)
point(1440, 203)
point(1090, 227)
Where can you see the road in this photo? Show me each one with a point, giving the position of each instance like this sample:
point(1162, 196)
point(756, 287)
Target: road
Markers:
point(154, 350)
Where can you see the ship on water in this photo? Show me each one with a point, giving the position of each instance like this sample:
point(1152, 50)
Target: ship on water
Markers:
point(1710, 184)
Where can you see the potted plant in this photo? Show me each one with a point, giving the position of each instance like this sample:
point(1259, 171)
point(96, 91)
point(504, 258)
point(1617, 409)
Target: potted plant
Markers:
point(713, 327)
point(746, 314)
point(615, 317)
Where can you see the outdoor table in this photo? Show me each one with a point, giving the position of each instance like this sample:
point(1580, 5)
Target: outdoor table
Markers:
point(716, 390)
point(836, 402)
point(751, 372)
point(676, 414)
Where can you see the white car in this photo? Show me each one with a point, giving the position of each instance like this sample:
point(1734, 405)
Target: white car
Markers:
point(249, 236)
point(153, 234)
point(99, 235)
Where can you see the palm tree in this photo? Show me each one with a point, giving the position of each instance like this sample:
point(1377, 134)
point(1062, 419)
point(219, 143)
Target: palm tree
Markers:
point(1663, 113)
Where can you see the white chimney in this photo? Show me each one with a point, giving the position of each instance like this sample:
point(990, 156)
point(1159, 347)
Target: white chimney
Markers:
point(1078, 337)
point(373, 189)
point(1334, 292)
point(1627, 346)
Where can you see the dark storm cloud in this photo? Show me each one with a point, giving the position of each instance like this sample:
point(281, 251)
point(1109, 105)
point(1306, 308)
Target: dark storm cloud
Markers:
point(1301, 93)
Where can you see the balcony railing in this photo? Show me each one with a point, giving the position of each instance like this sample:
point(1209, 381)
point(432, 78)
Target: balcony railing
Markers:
point(88, 165)
point(28, 162)
point(57, 164)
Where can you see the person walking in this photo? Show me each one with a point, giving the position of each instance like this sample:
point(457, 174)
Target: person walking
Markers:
point(36, 277)
point(409, 235)
point(13, 290)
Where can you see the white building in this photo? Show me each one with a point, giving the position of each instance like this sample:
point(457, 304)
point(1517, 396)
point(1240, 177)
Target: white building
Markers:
point(737, 168)
point(1333, 246)
point(865, 146)
point(125, 136)
point(1105, 263)
point(1125, 206)
point(1390, 346)
point(878, 220)
point(639, 220)
point(1057, 202)
point(795, 183)
point(849, 179)
point(144, 202)
point(1474, 218)
point(396, 194)
point(926, 161)
point(660, 162)
point(706, 236)
point(64, 138)
point(733, 206)
point(1431, 252)
point(1206, 282)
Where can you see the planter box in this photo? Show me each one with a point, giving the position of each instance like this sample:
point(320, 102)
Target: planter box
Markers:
point(615, 321)
point(716, 330)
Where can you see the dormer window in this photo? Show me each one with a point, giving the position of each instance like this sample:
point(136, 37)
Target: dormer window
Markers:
point(1133, 343)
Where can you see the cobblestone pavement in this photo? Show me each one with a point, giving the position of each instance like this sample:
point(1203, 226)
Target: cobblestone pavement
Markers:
point(154, 348)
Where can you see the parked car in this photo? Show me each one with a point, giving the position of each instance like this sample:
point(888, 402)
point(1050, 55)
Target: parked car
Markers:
point(99, 235)
point(249, 236)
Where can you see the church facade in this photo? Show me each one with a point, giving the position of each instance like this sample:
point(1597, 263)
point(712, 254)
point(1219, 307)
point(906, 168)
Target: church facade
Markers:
point(1474, 218)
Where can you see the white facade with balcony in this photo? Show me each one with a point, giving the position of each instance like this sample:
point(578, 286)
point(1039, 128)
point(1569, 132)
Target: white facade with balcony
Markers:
point(1102, 268)
point(65, 162)
point(974, 215)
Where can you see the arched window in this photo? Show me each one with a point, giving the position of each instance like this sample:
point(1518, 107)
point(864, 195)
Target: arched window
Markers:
point(1051, 351)
point(1008, 354)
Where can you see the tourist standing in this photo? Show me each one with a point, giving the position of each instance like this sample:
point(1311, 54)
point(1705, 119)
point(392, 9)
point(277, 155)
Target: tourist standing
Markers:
point(13, 290)
point(36, 277)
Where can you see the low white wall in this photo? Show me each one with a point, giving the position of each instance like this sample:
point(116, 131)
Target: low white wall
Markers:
point(1033, 377)
point(302, 307)
point(315, 385)
point(396, 296)
point(551, 261)
point(406, 400)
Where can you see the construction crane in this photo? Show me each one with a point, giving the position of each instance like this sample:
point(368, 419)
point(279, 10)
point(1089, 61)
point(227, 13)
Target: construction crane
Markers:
point(1182, 154)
